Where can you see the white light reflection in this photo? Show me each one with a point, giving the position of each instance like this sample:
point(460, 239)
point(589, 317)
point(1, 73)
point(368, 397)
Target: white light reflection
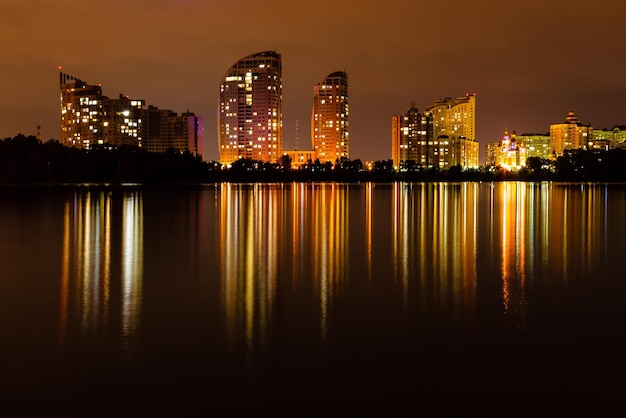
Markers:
point(132, 267)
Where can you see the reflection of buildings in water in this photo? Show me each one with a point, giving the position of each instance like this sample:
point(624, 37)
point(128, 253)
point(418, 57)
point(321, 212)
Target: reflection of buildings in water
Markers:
point(434, 243)
point(329, 232)
point(583, 210)
point(369, 189)
point(545, 228)
point(132, 266)
point(86, 274)
point(255, 220)
point(514, 218)
point(86, 271)
point(250, 224)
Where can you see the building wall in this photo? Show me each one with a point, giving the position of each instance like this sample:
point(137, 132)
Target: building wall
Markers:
point(616, 135)
point(412, 139)
point(300, 157)
point(396, 140)
point(122, 121)
point(464, 152)
point(536, 145)
point(491, 151)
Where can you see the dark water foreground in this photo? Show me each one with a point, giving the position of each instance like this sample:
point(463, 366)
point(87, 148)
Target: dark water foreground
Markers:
point(305, 299)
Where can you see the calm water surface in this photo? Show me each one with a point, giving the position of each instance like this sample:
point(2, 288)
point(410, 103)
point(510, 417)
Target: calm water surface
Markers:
point(439, 299)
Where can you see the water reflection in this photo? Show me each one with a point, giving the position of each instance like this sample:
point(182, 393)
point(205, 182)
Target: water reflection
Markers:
point(434, 232)
point(547, 230)
point(132, 267)
point(191, 293)
point(250, 251)
point(91, 246)
point(313, 259)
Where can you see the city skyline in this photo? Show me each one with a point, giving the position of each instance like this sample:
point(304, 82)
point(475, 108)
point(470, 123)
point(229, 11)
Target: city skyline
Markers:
point(174, 53)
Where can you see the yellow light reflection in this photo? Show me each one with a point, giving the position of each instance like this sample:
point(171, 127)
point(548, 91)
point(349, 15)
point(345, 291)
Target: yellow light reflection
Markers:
point(250, 249)
point(85, 282)
point(434, 232)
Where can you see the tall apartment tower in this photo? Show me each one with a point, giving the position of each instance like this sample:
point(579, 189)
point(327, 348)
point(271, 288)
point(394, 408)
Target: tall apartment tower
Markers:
point(250, 109)
point(121, 121)
point(454, 118)
point(454, 130)
point(329, 118)
point(569, 135)
point(89, 118)
point(164, 129)
point(81, 112)
point(411, 139)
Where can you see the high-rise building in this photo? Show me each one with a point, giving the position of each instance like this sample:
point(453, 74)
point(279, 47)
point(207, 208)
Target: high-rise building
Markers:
point(121, 121)
point(455, 118)
point(454, 132)
point(250, 109)
point(89, 118)
point(81, 112)
point(412, 139)
point(164, 129)
point(569, 135)
point(329, 118)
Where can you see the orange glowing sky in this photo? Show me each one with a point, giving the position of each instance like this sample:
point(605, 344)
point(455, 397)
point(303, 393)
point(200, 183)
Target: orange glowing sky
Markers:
point(528, 61)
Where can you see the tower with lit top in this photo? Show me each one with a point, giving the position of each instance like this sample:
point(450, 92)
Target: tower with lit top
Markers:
point(329, 118)
point(250, 109)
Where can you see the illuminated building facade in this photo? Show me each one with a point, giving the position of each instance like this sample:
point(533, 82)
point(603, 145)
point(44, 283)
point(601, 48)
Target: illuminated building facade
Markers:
point(121, 121)
point(455, 118)
point(509, 153)
point(536, 145)
point(250, 109)
point(412, 140)
point(454, 132)
point(491, 149)
point(329, 118)
point(81, 112)
point(300, 157)
point(615, 136)
point(463, 152)
point(89, 118)
point(569, 135)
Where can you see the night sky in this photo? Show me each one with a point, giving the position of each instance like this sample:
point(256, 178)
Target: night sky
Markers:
point(529, 61)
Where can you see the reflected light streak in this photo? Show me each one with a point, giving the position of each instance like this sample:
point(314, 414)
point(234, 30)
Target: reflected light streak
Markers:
point(368, 228)
point(434, 233)
point(132, 266)
point(250, 216)
point(86, 259)
point(329, 245)
point(65, 275)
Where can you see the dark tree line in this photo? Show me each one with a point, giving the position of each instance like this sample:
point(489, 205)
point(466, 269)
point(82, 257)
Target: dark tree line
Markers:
point(24, 159)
